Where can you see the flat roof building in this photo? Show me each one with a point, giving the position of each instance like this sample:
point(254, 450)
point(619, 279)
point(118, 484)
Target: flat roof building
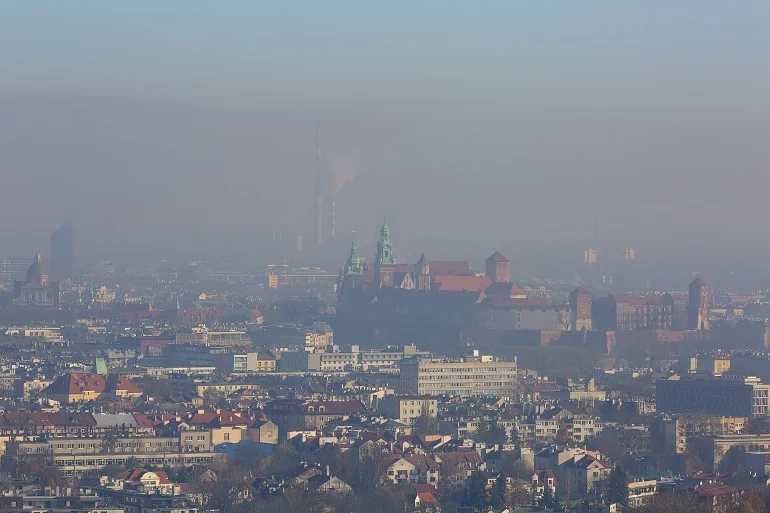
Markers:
point(473, 375)
point(730, 396)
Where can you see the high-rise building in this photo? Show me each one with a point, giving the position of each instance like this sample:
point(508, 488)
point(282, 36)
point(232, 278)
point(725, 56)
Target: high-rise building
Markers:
point(699, 307)
point(62, 252)
point(591, 256)
point(12, 269)
point(580, 308)
point(629, 254)
point(498, 268)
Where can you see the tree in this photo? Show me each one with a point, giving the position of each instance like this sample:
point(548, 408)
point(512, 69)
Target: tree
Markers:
point(513, 436)
point(221, 485)
point(517, 496)
point(426, 424)
point(547, 500)
point(490, 434)
point(284, 458)
point(110, 441)
point(497, 497)
point(692, 462)
point(618, 486)
point(475, 495)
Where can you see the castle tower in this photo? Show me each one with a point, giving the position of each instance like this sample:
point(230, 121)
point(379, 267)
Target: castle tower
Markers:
point(699, 307)
point(423, 276)
point(384, 266)
point(498, 268)
point(580, 309)
point(351, 272)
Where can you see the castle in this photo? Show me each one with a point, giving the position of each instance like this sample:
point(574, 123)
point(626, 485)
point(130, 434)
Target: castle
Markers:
point(356, 275)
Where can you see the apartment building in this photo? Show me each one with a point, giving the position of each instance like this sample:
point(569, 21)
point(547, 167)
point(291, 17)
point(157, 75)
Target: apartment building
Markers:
point(418, 469)
point(474, 375)
point(291, 415)
point(408, 408)
point(77, 455)
point(546, 429)
point(333, 359)
point(252, 362)
point(584, 427)
point(204, 337)
point(729, 396)
point(715, 449)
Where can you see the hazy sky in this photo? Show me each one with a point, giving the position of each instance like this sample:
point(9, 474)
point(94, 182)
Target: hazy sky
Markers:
point(183, 128)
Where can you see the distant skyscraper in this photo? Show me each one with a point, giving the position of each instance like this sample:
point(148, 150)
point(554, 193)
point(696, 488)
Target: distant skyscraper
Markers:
point(62, 252)
point(629, 254)
point(699, 307)
point(591, 256)
point(12, 269)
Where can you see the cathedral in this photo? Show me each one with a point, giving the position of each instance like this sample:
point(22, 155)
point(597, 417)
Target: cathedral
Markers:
point(356, 274)
point(36, 289)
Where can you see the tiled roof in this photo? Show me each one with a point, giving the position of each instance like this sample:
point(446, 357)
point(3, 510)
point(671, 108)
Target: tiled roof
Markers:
point(449, 268)
point(497, 257)
point(116, 382)
point(107, 420)
point(77, 383)
point(337, 407)
point(461, 283)
point(63, 418)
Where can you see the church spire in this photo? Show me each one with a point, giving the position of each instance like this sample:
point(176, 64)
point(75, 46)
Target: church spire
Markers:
point(385, 248)
point(353, 246)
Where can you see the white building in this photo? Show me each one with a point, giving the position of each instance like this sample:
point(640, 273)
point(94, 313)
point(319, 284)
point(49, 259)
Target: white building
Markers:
point(474, 375)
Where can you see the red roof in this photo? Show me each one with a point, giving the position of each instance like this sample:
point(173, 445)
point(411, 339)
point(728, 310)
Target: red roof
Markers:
point(427, 498)
point(146, 421)
point(497, 257)
point(77, 383)
point(136, 475)
point(117, 382)
point(461, 283)
point(337, 407)
point(449, 268)
point(504, 290)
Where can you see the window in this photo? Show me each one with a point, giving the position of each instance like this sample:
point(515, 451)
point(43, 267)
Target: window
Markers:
point(227, 437)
